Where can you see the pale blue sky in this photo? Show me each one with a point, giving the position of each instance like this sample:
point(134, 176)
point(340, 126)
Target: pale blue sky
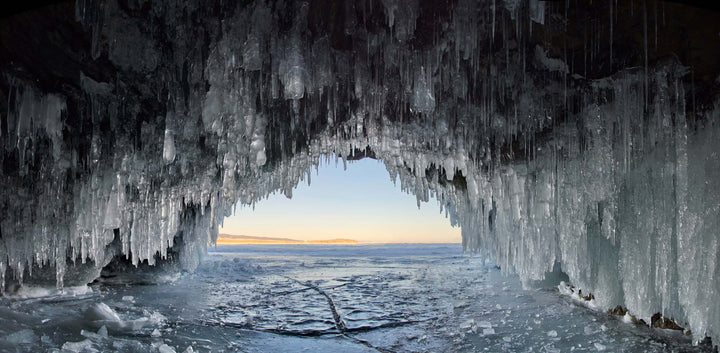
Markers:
point(360, 203)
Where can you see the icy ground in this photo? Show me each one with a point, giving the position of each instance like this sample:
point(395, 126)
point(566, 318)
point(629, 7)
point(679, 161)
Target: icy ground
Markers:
point(278, 298)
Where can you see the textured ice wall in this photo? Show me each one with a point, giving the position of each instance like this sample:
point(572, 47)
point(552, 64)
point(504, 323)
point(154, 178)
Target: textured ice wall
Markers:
point(631, 216)
point(182, 109)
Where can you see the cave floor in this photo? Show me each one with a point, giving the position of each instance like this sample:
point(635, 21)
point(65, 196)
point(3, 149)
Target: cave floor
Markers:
point(323, 298)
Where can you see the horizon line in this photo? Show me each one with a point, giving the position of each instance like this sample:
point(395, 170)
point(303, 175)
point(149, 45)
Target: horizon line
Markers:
point(236, 239)
point(334, 243)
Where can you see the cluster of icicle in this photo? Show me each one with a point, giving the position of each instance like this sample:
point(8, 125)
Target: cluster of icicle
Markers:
point(621, 194)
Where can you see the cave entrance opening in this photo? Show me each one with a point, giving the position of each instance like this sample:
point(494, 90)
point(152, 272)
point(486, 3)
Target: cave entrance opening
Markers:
point(341, 202)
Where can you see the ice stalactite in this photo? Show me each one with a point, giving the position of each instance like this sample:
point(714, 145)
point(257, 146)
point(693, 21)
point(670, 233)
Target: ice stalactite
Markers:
point(131, 150)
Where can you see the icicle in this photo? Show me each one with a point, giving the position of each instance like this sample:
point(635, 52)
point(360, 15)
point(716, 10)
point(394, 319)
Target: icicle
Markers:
point(656, 24)
point(492, 8)
point(2, 274)
point(611, 35)
point(645, 48)
point(169, 147)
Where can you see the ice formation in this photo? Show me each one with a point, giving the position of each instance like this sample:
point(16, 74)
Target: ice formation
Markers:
point(143, 123)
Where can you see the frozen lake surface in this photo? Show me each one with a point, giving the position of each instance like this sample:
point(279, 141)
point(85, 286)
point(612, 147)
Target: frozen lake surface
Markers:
point(323, 298)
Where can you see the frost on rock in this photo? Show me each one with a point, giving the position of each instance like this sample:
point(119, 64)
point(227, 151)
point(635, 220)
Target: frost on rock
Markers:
point(546, 152)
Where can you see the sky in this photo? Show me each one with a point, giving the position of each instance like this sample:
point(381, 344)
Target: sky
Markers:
point(360, 203)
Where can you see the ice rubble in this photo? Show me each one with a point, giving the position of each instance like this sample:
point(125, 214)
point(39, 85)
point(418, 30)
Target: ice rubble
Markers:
point(613, 178)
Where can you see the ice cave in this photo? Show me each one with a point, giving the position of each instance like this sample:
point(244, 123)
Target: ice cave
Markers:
point(574, 136)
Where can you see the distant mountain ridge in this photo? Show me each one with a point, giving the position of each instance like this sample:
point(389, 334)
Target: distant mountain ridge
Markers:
point(249, 239)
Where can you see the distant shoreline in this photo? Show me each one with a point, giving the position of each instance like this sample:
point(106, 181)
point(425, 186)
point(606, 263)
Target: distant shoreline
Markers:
point(224, 241)
point(231, 239)
point(248, 239)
